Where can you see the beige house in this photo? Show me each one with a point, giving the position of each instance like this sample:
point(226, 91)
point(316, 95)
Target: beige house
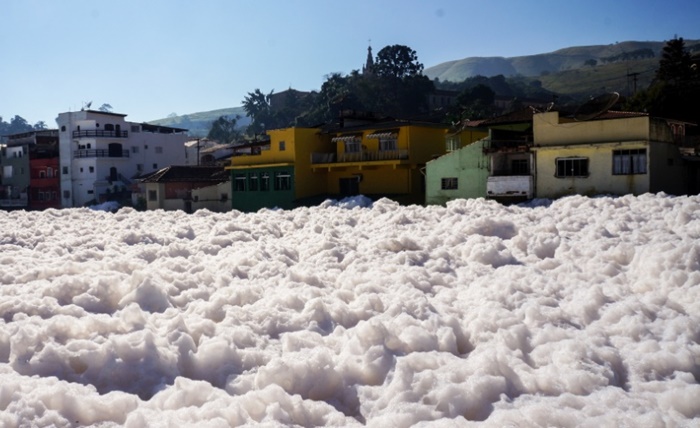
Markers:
point(615, 153)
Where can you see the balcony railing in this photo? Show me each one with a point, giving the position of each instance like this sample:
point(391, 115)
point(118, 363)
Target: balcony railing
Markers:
point(510, 186)
point(100, 153)
point(362, 156)
point(93, 133)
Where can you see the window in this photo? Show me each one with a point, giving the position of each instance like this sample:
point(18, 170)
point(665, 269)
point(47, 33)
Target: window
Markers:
point(253, 182)
point(65, 170)
point(264, 181)
point(40, 196)
point(7, 171)
point(352, 146)
point(135, 128)
point(572, 167)
point(519, 167)
point(152, 195)
point(159, 149)
point(91, 192)
point(134, 149)
point(139, 167)
point(629, 162)
point(42, 174)
point(239, 183)
point(49, 172)
point(81, 169)
point(449, 183)
point(155, 166)
point(92, 169)
point(452, 144)
point(283, 181)
point(388, 143)
point(282, 146)
point(224, 197)
point(66, 194)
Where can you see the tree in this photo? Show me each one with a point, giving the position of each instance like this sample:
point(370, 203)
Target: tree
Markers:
point(397, 61)
point(224, 130)
point(257, 107)
point(676, 82)
point(675, 65)
point(473, 103)
point(105, 108)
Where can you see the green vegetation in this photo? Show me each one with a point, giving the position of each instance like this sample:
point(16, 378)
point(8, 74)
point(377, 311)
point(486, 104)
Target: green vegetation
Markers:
point(18, 124)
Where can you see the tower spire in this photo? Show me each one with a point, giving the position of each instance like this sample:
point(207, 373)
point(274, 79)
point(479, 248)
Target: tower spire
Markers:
point(368, 68)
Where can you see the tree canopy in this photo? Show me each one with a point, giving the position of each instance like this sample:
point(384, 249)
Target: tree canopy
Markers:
point(677, 80)
point(18, 125)
point(224, 130)
point(397, 61)
point(395, 86)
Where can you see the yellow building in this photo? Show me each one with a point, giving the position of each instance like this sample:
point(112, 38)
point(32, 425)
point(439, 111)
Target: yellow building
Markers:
point(380, 159)
point(277, 172)
point(615, 153)
point(304, 166)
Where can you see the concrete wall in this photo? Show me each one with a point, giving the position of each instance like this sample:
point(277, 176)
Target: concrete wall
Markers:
point(600, 166)
point(549, 130)
point(468, 164)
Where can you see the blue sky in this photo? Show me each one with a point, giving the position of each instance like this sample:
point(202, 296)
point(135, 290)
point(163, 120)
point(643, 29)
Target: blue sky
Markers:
point(150, 58)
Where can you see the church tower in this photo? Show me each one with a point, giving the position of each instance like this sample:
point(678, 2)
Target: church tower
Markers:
point(368, 68)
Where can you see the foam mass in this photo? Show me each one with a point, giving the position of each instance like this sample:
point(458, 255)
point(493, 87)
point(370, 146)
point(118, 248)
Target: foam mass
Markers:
point(575, 312)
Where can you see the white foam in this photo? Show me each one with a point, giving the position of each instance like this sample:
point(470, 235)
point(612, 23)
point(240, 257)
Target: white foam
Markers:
point(579, 311)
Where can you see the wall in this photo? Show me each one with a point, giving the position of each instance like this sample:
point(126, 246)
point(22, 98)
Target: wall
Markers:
point(668, 171)
point(600, 179)
point(253, 200)
point(210, 197)
point(468, 164)
point(306, 141)
point(548, 131)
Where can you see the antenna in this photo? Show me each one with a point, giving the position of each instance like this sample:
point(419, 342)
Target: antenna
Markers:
point(596, 106)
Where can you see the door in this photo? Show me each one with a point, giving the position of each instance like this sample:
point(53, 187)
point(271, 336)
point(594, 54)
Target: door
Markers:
point(349, 186)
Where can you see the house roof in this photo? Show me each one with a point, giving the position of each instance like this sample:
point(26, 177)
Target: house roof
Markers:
point(184, 173)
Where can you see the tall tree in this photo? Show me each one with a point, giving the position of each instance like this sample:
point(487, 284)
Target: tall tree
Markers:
point(397, 61)
point(257, 106)
point(675, 65)
point(676, 82)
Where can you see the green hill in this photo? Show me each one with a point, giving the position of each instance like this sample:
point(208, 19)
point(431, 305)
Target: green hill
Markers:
point(199, 123)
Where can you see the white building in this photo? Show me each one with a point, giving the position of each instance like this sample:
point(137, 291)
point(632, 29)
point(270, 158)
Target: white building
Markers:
point(100, 153)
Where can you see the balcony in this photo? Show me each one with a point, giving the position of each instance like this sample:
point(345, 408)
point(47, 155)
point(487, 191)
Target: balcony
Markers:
point(100, 153)
point(510, 186)
point(361, 156)
point(100, 133)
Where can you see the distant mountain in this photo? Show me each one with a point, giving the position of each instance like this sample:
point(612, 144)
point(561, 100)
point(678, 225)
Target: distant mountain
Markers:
point(541, 64)
point(199, 123)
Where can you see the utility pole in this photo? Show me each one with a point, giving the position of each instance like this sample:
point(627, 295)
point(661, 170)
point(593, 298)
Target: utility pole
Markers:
point(634, 81)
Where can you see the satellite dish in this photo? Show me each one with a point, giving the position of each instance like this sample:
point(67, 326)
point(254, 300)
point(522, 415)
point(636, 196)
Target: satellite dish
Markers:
point(596, 106)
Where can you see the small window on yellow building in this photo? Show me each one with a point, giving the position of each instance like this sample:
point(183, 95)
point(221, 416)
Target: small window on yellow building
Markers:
point(282, 146)
point(572, 167)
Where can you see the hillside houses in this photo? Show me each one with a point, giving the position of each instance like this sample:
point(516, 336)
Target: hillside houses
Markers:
point(547, 154)
point(96, 156)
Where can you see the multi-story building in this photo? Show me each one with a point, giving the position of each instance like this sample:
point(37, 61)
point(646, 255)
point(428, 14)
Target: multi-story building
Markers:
point(101, 153)
point(30, 170)
point(301, 166)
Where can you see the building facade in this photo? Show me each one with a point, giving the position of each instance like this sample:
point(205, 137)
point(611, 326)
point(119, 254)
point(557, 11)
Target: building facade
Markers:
point(30, 171)
point(617, 153)
point(101, 153)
